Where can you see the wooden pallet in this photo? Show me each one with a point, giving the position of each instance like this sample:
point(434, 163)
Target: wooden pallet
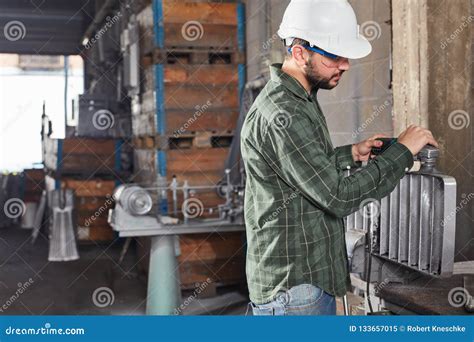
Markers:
point(89, 188)
point(198, 55)
point(33, 184)
point(219, 120)
point(219, 258)
point(97, 234)
point(80, 156)
point(196, 160)
point(195, 98)
point(199, 140)
point(218, 74)
point(196, 140)
point(186, 122)
point(187, 97)
point(191, 24)
point(91, 197)
point(206, 12)
point(198, 166)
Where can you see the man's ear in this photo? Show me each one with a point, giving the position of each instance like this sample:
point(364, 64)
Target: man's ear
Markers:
point(299, 54)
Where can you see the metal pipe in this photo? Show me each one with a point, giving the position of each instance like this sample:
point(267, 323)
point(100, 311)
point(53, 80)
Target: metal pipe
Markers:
point(194, 187)
point(185, 197)
point(66, 81)
point(345, 305)
point(163, 294)
point(228, 187)
point(174, 188)
point(99, 18)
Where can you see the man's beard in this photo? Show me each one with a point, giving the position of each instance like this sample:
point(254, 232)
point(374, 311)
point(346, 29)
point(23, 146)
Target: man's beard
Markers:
point(315, 81)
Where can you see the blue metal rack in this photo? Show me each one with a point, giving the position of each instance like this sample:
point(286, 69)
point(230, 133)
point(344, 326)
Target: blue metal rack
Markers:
point(163, 296)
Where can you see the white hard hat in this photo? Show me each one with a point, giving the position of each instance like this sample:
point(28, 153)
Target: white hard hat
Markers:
point(328, 24)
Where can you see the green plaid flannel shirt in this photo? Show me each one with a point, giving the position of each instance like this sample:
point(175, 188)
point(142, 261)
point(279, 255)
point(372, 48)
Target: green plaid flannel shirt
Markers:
point(297, 193)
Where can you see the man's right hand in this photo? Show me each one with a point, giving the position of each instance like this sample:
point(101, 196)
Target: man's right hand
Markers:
point(415, 138)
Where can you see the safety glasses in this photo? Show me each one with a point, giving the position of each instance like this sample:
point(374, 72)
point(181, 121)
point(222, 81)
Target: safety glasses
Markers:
point(332, 61)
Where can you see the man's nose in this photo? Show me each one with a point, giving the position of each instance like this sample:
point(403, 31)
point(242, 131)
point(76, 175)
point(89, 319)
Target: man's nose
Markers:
point(344, 65)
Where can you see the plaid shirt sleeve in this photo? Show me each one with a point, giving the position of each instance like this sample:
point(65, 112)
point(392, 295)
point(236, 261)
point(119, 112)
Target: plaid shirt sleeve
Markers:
point(305, 164)
point(344, 159)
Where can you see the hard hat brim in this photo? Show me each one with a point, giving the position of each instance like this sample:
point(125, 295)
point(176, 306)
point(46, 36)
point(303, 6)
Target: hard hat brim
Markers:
point(355, 49)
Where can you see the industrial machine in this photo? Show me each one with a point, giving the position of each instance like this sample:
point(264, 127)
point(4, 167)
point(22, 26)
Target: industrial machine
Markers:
point(134, 216)
point(404, 243)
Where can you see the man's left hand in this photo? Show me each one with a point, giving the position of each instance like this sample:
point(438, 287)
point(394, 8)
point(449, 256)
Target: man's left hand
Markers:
point(361, 151)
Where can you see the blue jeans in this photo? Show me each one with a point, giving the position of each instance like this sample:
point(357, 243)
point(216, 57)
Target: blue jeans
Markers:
point(299, 300)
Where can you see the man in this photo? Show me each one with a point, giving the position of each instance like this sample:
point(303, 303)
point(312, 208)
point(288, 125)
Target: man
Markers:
point(296, 193)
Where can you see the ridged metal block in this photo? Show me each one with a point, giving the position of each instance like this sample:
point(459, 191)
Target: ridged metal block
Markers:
point(415, 225)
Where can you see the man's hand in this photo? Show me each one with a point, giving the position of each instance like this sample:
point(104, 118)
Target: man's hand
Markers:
point(361, 151)
point(415, 138)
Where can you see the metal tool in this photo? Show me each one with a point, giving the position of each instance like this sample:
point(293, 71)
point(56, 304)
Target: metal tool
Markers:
point(62, 238)
point(386, 143)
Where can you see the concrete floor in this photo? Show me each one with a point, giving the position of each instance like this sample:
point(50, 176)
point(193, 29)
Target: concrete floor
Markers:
point(67, 288)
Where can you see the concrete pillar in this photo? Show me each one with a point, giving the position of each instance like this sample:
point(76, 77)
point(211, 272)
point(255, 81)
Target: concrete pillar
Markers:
point(410, 83)
point(432, 86)
point(163, 296)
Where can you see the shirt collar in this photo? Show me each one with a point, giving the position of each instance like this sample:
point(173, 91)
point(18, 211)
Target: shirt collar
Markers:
point(291, 83)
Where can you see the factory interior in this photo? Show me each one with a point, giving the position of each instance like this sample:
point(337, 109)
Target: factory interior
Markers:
point(122, 185)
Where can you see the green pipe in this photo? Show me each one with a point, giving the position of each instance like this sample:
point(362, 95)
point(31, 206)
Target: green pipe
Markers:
point(164, 296)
